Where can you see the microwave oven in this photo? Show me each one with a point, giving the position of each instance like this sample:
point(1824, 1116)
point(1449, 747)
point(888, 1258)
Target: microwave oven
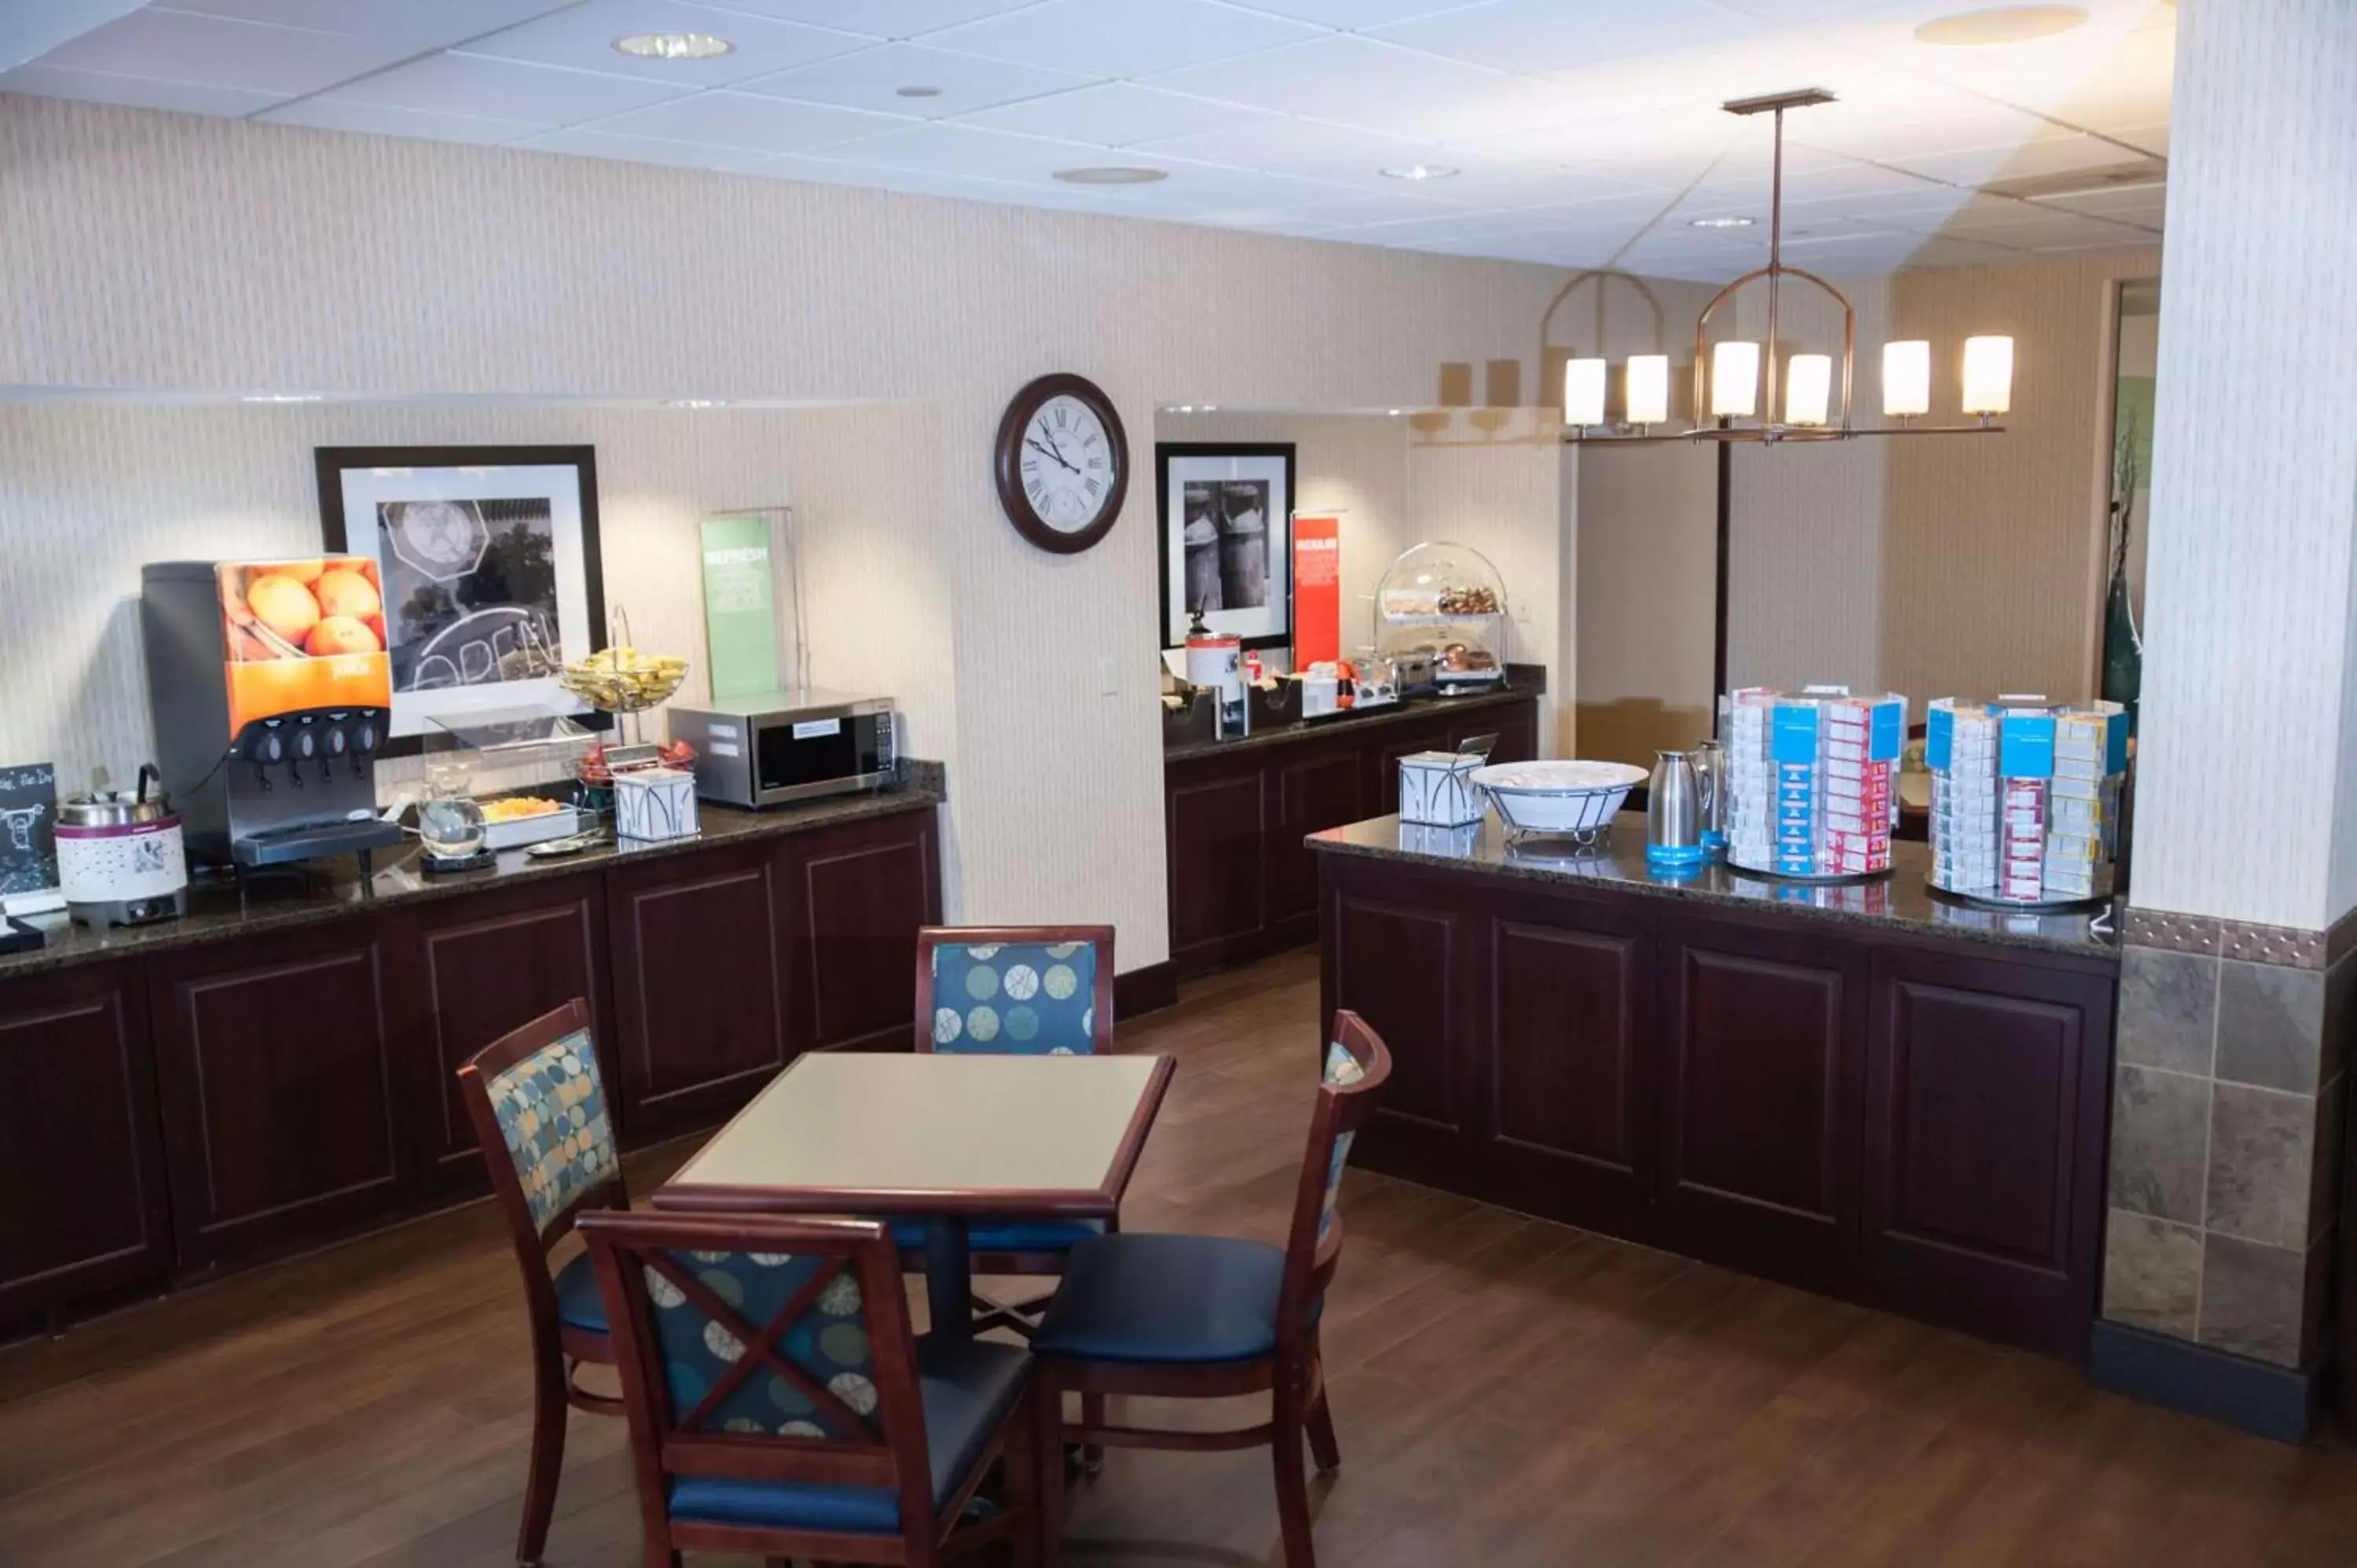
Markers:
point(783, 746)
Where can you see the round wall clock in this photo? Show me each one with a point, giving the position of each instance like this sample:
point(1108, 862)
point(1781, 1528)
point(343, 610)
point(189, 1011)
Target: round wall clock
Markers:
point(1062, 463)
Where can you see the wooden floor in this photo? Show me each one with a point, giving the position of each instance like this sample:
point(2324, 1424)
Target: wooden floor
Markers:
point(1507, 1392)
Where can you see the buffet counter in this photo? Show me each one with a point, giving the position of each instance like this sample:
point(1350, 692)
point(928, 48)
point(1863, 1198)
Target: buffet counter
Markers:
point(1242, 884)
point(272, 1071)
point(1863, 1089)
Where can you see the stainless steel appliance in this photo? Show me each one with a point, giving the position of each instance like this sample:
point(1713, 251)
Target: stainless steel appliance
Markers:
point(120, 858)
point(782, 746)
point(1673, 812)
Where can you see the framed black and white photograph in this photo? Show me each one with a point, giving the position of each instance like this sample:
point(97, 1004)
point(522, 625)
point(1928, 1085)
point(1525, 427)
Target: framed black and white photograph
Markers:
point(1227, 540)
point(489, 558)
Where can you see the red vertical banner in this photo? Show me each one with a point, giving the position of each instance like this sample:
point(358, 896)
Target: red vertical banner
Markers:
point(1317, 589)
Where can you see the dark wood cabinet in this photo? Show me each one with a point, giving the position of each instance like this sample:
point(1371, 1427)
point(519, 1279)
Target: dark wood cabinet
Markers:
point(700, 1011)
point(1758, 1072)
point(860, 895)
point(281, 1090)
point(484, 966)
point(1905, 1119)
point(1985, 1089)
point(1565, 1012)
point(1242, 883)
point(84, 1206)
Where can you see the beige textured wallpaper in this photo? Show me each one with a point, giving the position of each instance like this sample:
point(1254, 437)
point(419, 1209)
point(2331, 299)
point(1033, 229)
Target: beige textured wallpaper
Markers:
point(162, 253)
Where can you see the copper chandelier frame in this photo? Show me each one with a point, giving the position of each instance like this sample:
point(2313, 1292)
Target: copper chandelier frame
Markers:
point(1770, 431)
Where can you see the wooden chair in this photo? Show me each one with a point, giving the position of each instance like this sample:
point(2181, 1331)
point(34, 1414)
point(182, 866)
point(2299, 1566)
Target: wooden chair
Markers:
point(1210, 1316)
point(1013, 991)
point(540, 1113)
point(780, 1406)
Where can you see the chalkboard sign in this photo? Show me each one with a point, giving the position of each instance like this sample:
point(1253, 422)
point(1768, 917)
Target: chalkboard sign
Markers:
point(28, 828)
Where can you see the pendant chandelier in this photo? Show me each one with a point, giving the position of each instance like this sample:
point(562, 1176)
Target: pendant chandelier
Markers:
point(1734, 380)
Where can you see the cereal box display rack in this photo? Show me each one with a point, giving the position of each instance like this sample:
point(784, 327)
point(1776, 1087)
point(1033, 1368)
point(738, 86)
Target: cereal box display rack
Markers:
point(2025, 799)
point(1812, 780)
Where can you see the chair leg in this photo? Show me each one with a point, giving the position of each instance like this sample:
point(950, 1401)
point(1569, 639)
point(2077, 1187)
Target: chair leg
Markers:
point(1093, 1413)
point(1022, 1457)
point(548, 1418)
point(1292, 1486)
point(1320, 1422)
point(1047, 1472)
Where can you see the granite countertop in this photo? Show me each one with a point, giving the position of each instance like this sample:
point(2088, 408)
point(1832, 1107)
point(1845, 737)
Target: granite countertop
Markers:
point(1902, 900)
point(327, 889)
point(1353, 722)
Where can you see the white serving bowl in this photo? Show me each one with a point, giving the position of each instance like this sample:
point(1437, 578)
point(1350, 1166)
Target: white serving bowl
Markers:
point(1560, 797)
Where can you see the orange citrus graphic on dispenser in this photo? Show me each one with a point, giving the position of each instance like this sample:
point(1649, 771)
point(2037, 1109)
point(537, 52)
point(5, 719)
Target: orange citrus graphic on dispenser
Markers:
point(299, 635)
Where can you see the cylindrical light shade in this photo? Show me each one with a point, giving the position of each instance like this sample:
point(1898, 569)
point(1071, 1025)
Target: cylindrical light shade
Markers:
point(1906, 378)
point(1735, 379)
point(1583, 393)
point(1808, 388)
point(1989, 375)
point(1648, 389)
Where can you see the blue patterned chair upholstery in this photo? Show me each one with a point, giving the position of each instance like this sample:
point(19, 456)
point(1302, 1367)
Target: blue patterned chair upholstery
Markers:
point(1015, 998)
point(551, 1108)
point(710, 1313)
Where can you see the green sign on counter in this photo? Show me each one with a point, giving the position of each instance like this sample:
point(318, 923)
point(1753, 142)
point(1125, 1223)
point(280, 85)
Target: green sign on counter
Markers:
point(740, 612)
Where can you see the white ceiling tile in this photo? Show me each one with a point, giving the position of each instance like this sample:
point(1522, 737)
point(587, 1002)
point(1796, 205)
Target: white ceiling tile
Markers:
point(581, 143)
point(1376, 207)
point(1122, 38)
point(2042, 74)
point(469, 84)
point(1667, 145)
point(879, 18)
point(1353, 80)
point(967, 151)
point(2065, 231)
point(413, 24)
point(29, 31)
point(872, 80)
point(1943, 253)
point(2029, 160)
point(1350, 15)
point(1312, 149)
point(1537, 36)
point(376, 120)
point(1786, 12)
point(1196, 190)
point(137, 92)
point(582, 36)
point(171, 46)
point(2153, 139)
point(1117, 114)
point(1829, 182)
point(2133, 204)
point(728, 119)
point(1609, 218)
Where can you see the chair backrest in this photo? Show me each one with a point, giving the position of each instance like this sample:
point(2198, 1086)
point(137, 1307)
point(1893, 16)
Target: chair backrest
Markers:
point(765, 1348)
point(539, 1107)
point(1356, 1064)
point(1014, 990)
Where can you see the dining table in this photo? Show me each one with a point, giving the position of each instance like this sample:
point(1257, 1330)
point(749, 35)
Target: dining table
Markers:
point(947, 1139)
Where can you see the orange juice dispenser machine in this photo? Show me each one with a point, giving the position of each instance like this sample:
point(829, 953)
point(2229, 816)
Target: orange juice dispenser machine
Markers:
point(272, 694)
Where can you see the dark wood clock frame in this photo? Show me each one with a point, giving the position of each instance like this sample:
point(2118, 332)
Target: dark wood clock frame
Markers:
point(1008, 463)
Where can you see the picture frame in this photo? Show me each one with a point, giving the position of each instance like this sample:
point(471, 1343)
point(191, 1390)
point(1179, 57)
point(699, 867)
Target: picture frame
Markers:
point(1236, 497)
point(490, 564)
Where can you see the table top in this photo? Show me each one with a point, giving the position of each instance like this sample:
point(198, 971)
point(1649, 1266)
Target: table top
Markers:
point(875, 1133)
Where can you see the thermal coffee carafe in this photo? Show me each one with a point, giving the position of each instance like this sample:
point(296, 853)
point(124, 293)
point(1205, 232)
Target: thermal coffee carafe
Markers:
point(1675, 806)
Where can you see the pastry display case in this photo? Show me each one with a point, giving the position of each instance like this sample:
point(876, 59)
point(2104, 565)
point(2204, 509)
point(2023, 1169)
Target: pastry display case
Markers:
point(1440, 618)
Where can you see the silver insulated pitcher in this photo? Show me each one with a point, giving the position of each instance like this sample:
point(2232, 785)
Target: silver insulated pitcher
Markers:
point(1674, 805)
point(1710, 764)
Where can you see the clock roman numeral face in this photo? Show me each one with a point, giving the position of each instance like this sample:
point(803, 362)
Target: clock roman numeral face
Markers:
point(1068, 465)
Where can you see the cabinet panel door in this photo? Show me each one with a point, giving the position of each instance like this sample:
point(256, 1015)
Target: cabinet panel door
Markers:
point(83, 1199)
point(1566, 1010)
point(486, 966)
point(1759, 1093)
point(1397, 965)
point(1985, 1090)
point(1218, 844)
point(1314, 791)
point(699, 990)
point(281, 1088)
point(861, 893)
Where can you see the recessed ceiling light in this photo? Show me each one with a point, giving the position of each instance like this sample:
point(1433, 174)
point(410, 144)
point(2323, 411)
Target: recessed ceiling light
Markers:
point(2003, 25)
point(1111, 174)
point(915, 92)
point(675, 46)
point(1393, 411)
point(1417, 171)
point(281, 397)
point(1720, 222)
point(694, 402)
